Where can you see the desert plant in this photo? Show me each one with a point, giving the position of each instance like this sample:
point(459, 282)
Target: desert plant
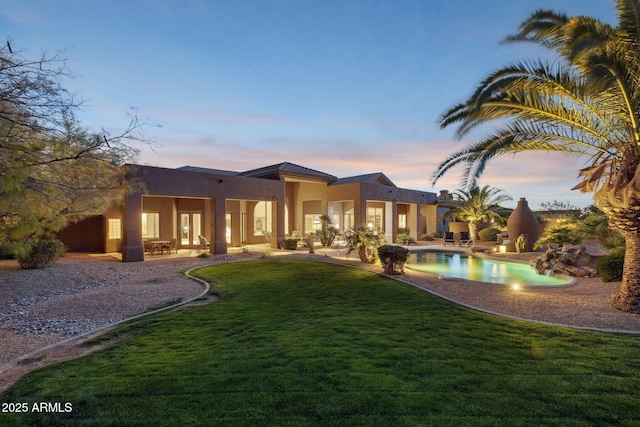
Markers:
point(521, 244)
point(40, 254)
point(610, 267)
point(365, 242)
point(309, 240)
point(290, 244)
point(327, 232)
point(393, 258)
point(559, 235)
point(477, 206)
point(405, 238)
point(489, 234)
point(596, 225)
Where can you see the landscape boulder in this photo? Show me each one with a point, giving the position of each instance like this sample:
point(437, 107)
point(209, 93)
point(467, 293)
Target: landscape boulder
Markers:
point(572, 260)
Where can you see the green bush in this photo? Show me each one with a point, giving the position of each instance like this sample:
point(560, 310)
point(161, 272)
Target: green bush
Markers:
point(560, 235)
point(364, 242)
point(404, 239)
point(393, 258)
point(610, 267)
point(7, 250)
point(291, 244)
point(327, 232)
point(489, 234)
point(40, 254)
point(429, 237)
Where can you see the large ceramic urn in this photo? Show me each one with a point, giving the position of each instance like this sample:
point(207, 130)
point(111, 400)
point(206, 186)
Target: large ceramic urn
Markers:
point(523, 221)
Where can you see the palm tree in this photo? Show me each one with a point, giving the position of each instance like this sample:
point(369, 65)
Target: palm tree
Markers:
point(586, 103)
point(476, 206)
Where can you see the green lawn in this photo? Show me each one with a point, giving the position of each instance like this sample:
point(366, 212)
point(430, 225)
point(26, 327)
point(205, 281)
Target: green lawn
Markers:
point(303, 343)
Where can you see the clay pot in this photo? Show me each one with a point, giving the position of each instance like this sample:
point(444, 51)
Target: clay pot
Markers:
point(523, 221)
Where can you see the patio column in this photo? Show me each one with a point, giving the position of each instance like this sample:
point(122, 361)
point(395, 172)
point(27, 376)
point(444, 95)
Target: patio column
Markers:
point(132, 249)
point(394, 220)
point(278, 226)
point(219, 218)
point(416, 224)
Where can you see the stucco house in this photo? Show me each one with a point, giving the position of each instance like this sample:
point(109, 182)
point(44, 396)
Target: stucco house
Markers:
point(264, 205)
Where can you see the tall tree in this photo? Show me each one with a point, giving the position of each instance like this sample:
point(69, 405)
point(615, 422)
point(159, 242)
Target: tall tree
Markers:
point(585, 103)
point(477, 206)
point(52, 171)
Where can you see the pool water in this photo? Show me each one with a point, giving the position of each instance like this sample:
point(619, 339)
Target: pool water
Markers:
point(465, 266)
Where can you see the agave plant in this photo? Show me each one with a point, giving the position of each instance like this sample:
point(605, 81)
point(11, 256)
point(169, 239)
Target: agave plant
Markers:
point(585, 103)
point(364, 242)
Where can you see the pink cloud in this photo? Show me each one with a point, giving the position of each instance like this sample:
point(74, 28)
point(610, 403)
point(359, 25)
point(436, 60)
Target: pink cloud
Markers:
point(538, 176)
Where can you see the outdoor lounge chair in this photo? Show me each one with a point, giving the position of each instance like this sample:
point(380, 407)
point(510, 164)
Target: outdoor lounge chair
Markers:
point(448, 237)
point(203, 243)
point(465, 239)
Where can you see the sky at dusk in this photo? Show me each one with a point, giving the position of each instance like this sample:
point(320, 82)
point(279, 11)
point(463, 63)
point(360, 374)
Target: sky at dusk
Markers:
point(345, 87)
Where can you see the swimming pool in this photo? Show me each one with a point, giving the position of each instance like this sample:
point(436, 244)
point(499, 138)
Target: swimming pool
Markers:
point(470, 267)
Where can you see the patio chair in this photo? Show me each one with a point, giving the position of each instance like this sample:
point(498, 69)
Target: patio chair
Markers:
point(203, 243)
point(465, 239)
point(148, 247)
point(448, 237)
point(173, 244)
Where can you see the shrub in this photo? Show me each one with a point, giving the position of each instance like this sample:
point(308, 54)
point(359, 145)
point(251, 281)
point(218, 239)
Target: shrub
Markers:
point(291, 244)
point(365, 242)
point(610, 267)
point(327, 232)
point(404, 238)
point(40, 254)
point(429, 237)
point(393, 258)
point(489, 234)
point(7, 250)
point(560, 235)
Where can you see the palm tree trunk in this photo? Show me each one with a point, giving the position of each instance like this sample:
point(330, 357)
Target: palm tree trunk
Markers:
point(627, 221)
point(474, 228)
point(628, 299)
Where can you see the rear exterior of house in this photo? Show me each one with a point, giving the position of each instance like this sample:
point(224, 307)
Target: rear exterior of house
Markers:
point(264, 205)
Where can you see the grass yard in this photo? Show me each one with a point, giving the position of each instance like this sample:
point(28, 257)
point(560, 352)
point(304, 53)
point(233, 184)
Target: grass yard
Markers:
point(295, 343)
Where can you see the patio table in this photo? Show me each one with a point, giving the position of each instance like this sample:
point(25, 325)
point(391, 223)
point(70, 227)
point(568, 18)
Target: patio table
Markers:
point(159, 244)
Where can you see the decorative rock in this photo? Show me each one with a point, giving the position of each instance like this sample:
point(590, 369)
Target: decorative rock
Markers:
point(573, 262)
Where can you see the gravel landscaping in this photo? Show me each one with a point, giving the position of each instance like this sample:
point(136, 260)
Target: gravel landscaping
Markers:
point(82, 293)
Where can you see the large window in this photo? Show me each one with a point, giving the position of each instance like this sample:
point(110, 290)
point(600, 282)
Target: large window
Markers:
point(402, 221)
point(311, 223)
point(115, 228)
point(347, 220)
point(150, 225)
point(374, 218)
point(262, 218)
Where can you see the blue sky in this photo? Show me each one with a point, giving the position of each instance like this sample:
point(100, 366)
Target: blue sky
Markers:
point(346, 87)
